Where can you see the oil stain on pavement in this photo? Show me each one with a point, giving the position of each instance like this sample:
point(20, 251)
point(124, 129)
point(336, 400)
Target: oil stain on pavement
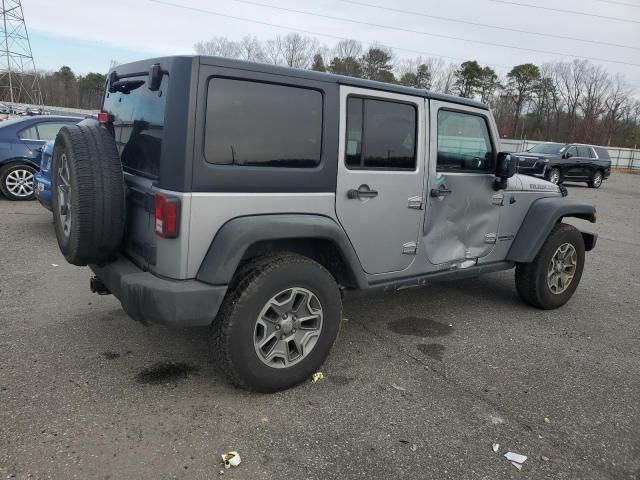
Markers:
point(165, 372)
point(419, 327)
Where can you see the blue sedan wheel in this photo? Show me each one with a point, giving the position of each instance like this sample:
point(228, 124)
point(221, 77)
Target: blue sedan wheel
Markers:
point(16, 182)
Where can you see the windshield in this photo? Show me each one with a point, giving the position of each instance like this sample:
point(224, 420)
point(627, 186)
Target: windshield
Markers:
point(548, 148)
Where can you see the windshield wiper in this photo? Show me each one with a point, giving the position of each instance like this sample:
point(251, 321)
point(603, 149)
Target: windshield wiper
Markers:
point(125, 86)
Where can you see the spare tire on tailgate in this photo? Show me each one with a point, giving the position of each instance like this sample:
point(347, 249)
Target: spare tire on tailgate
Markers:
point(88, 193)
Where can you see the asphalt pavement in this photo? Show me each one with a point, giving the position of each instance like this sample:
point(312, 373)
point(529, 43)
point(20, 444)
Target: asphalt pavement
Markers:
point(420, 383)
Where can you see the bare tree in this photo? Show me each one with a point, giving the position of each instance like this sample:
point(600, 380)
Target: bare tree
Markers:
point(251, 49)
point(347, 49)
point(297, 50)
point(219, 47)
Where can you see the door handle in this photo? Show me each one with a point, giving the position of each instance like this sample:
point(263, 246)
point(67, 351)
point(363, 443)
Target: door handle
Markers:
point(441, 191)
point(360, 194)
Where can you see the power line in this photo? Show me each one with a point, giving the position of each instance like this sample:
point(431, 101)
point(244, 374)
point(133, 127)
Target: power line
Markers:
point(619, 3)
point(420, 32)
point(561, 10)
point(516, 30)
point(310, 32)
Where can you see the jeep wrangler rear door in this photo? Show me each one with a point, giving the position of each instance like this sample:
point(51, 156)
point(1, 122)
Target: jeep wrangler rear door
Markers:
point(462, 216)
point(379, 194)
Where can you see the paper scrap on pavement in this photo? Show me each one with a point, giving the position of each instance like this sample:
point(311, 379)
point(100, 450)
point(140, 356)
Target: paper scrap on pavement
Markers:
point(515, 457)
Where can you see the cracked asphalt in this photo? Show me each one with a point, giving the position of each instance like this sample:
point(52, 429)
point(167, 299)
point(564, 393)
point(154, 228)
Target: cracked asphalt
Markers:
point(420, 383)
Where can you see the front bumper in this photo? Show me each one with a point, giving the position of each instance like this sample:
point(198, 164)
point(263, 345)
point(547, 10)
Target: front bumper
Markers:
point(150, 299)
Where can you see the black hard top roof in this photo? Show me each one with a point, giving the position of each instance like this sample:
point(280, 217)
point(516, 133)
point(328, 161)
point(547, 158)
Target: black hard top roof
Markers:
point(299, 73)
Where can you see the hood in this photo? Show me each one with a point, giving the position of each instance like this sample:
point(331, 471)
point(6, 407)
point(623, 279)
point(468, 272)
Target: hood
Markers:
point(532, 184)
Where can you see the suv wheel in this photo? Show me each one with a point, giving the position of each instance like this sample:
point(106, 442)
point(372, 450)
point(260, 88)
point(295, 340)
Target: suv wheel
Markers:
point(16, 181)
point(596, 180)
point(554, 176)
point(278, 323)
point(551, 279)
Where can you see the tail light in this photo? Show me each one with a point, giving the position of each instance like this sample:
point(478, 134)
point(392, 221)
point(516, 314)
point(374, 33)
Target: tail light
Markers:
point(103, 117)
point(167, 216)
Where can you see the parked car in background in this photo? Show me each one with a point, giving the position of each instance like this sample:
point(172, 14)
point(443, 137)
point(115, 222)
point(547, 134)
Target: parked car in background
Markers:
point(5, 109)
point(42, 179)
point(558, 162)
point(21, 141)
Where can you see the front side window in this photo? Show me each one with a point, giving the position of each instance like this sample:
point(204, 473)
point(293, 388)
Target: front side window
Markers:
point(262, 125)
point(464, 144)
point(572, 152)
point(49, 130)
point(380, 135)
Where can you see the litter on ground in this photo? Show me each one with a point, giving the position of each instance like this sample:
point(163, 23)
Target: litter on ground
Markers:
point(515, 457)
point(231, 459)
point(316, 377)
point(398, 387)
point(496, 447)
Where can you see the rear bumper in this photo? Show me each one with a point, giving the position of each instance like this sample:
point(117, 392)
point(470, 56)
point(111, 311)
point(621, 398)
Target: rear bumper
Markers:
point(42, 189)
point(150, 299)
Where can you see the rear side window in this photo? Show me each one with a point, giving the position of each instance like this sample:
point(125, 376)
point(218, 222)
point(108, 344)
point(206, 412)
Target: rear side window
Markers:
point(464, 144)
point(138, 125)
point(584, 152)
point(603, 153)
point(262, 124)
point(380, 135)
point(30, 133)
point(49, 130)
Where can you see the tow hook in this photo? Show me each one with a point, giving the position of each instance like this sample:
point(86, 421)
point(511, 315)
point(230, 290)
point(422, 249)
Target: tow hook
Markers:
point(96, 286)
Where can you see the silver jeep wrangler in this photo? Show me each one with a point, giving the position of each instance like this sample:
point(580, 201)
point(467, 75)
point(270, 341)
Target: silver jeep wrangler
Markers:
point(248, 197)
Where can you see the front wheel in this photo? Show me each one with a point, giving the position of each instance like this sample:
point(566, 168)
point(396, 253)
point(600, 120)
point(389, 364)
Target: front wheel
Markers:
point(278, 323)
point(551, 279)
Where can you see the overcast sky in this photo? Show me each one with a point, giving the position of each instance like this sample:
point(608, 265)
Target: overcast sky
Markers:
point(87, 34)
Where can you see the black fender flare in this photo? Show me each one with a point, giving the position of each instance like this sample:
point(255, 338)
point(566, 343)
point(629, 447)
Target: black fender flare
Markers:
point(239, 234)
point(542, 216)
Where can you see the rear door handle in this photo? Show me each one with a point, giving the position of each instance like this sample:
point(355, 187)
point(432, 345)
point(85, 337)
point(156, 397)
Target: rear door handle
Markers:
point(441, 191)
point(362, 192)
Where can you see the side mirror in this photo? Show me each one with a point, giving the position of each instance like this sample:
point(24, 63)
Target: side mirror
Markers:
point(506, 167)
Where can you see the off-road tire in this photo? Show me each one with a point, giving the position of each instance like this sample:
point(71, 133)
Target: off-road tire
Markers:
point(97, 194)
point(593, 182)
point(531, 278)
point(232, 332)
point(4, 188)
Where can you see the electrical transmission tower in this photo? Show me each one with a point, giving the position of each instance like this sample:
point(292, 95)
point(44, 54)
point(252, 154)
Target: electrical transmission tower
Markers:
point(18, 77)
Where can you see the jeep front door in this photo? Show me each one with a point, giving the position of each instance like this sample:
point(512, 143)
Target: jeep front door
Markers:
point(461, 224)
point(379, 194)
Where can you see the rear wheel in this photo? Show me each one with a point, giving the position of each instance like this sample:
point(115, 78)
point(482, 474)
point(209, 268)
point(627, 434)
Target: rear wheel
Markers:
point(596, 180)
point(16, 181)
point(551, 279)
point(278, 323)
point(554, 176)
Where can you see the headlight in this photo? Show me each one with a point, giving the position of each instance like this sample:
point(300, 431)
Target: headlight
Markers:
point(546, 160)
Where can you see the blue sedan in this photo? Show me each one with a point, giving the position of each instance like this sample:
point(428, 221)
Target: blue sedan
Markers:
point(21, 143)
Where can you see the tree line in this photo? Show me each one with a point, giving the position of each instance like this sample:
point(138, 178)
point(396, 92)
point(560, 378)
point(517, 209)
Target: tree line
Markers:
point(572, 101)
point(63, 88)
